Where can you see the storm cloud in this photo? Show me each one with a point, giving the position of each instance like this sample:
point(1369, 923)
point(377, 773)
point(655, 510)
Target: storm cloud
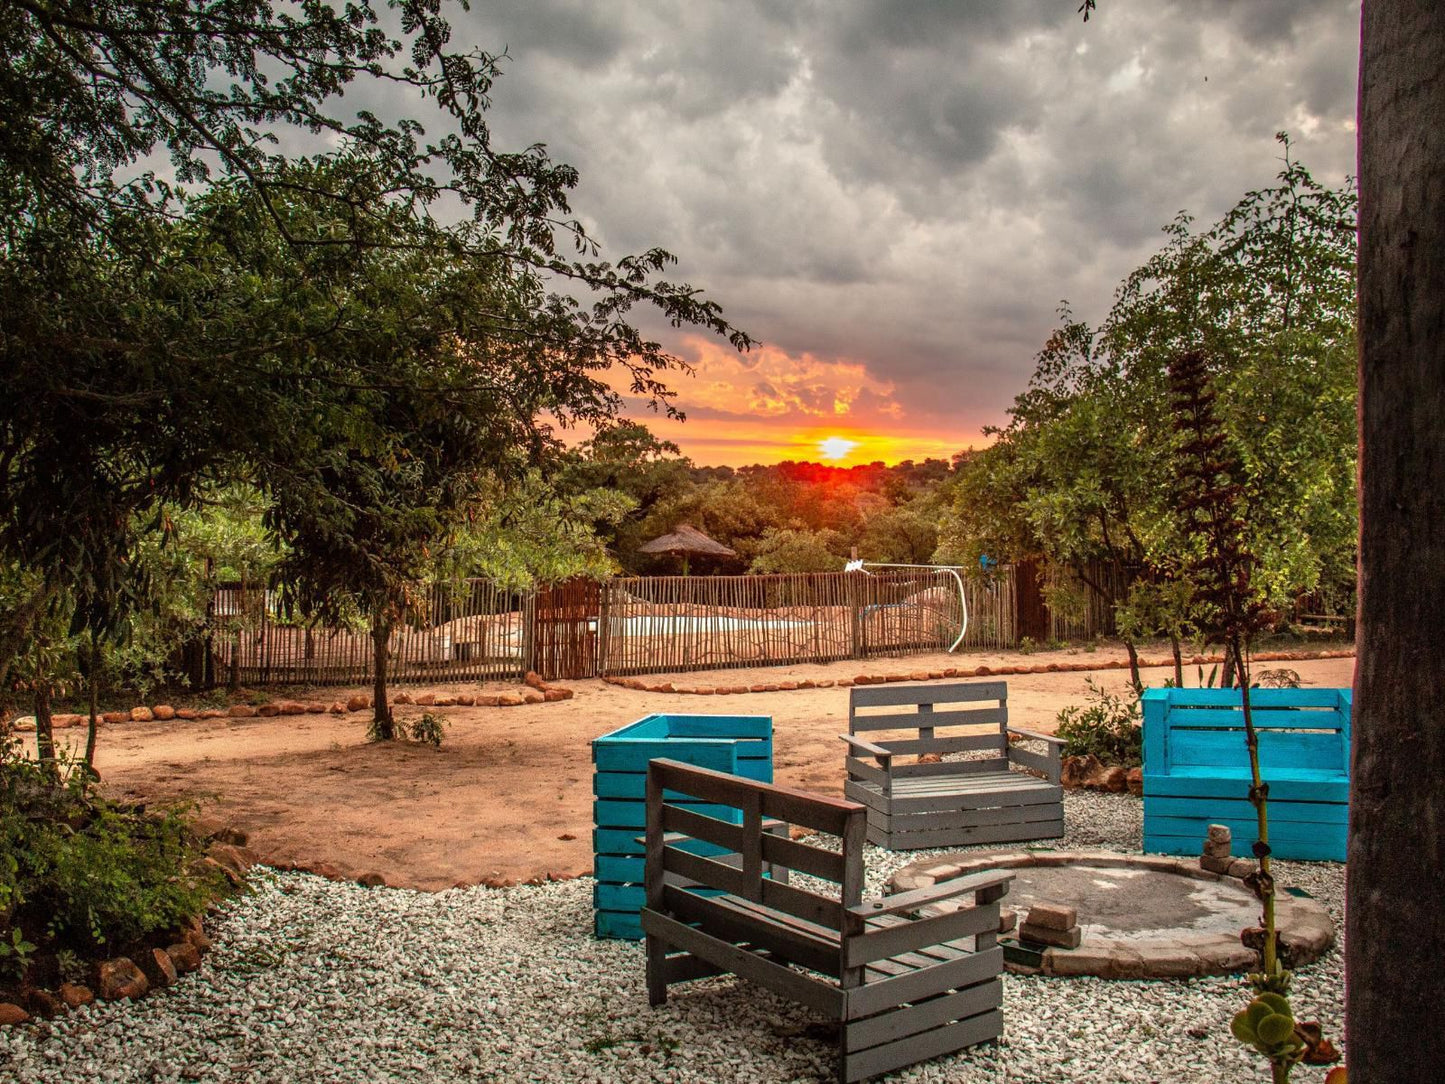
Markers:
point(907, 190)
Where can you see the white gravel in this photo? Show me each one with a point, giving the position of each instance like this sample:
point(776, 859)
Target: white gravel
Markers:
point(315, 981)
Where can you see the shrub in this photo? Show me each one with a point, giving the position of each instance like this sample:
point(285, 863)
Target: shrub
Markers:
point(1108, 726)
point(80, 874)
point(427, 729)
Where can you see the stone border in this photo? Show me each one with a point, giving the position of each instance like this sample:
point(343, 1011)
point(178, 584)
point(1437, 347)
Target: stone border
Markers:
point(535, 691)
point(640, 685)
point(1305, 928)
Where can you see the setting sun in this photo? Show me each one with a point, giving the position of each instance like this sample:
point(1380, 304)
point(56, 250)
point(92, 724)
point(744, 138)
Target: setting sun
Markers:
point(835, 447)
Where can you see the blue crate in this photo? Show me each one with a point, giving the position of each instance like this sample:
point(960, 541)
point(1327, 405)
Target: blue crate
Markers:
point(740, 744)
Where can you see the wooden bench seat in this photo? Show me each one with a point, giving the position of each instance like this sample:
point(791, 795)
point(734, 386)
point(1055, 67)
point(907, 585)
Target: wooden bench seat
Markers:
point(1196, 769)
point(903, 981)
point(951, 802)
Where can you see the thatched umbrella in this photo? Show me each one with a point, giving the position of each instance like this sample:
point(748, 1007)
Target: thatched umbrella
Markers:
point(686, 540)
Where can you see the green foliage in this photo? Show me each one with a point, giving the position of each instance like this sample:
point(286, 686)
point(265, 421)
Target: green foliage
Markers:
point(1267, 1024)
point(15, 954)
point(1077, 478)
point(1108, 726)
point(428, 729)
point(84, 874)
point(790, 549)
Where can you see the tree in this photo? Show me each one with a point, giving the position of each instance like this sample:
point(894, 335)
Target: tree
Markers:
point(1395, 943)
point(129, 316)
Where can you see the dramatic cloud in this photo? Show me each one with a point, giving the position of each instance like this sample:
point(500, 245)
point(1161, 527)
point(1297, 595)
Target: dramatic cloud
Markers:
point(895, 197)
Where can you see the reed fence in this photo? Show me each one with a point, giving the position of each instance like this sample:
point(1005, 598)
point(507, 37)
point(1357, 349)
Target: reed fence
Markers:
point(475, 631)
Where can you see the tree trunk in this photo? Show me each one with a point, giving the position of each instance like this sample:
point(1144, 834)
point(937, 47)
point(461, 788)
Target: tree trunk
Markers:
point(1134, 678)
point(44, 731)
point(1178, 660)
point(233, 679)
point(1395, 944)
point(92, 725)
point(381, 715)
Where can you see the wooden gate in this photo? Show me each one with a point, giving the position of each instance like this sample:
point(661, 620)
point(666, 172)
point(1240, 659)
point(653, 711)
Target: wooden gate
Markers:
point(564, 629)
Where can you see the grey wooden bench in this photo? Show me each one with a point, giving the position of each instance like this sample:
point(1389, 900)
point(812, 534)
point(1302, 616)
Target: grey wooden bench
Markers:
point(951, 802)
point(903, 982)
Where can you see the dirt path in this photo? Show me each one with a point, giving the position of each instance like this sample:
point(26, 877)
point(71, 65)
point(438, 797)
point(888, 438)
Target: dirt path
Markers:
point(508, 795)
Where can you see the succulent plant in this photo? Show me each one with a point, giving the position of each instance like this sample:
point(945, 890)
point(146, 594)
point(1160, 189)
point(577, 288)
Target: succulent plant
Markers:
point(1267, 1024)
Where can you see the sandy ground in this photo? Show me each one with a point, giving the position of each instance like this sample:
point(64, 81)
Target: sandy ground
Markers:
point(508, 795)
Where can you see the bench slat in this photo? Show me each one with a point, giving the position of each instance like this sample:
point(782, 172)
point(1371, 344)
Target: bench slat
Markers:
point(978, 717)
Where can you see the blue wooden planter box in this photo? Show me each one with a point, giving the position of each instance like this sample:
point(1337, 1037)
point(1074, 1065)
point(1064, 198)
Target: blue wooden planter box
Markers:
point(740, 744)
point(1196, 769)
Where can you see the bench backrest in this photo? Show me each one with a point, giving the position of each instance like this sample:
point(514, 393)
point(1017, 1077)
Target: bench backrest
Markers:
point(1204, 728)
point(737, 853)
point(956, 718)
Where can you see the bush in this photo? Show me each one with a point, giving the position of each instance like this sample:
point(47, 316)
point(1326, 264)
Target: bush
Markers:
point(1108, 726)
point(81, 876)
point(428, 729)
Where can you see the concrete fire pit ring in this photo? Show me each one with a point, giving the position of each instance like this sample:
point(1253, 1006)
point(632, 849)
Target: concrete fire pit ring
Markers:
point(1141, 916)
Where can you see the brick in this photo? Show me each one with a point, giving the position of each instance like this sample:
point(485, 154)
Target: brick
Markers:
point(1052, 916)
point(1043, 935)
point(1220, 833)
point(1216, 865)
point(1215, 848)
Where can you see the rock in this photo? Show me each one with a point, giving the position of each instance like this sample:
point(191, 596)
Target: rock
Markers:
point(337, 708)
point(486, 700)
point(64, 722)
point(845, 683)
point(194, 933)
point(43, 1003)
point(981, 671)
point(1135, 782)
point(1052, 916)
point(535, 680)
point(552, 696)
point(1215, 865)
point(401, 698)
point(25, 724)
point(424, 700)
point(187, 713)
point(269, 710)
point(1217, 848)
point(532, 696)
point(1114, 779)
point(1241, 868)
point(185, 957)
point(445, 701)
point(371, 880)
point(788, 686)
point(120, 978)
point(233, 859)
point(930, 758)
point(163, 712)
point(466, 700)
point(242, 711)
point(896, 677)
point(1076, 771)
point(229, 834)
point(74, 995)
point(863, 679)
point(212, 713)
point(824, 683)
point(1220, 833)
point(755, 688)
point(919, 675)
point(111, 717)
point(807, 683)
point(358, 702)
point(315, 707)
point(159, 971)
point(509, 700)
point(1043, 935)
point(292, 707)
point(1007, 919)
point(12, 1014)
point(141, 714)
point(707, 690)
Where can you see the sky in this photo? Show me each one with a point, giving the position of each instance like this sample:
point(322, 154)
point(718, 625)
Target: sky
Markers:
point(895, 197)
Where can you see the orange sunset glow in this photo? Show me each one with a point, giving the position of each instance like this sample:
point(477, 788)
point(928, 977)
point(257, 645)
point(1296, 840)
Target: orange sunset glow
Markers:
point(771, 406)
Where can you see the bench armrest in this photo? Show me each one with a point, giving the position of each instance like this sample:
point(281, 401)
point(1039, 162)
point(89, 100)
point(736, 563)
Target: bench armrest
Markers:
point(867, 748)
point(905, 902)
point(1034, 735)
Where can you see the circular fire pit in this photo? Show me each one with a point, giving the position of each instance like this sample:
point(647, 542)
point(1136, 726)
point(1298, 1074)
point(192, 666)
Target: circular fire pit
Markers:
point(1140, 916)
